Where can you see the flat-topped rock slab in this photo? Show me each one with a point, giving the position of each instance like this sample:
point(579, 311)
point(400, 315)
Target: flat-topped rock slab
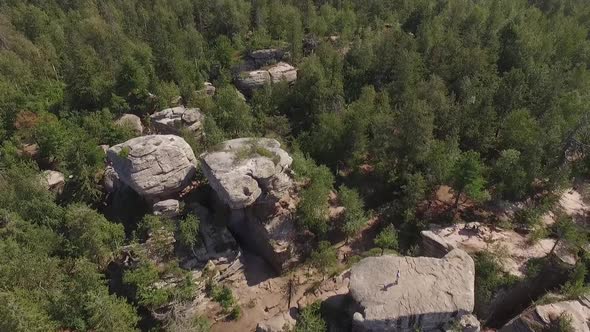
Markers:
point(429, 292)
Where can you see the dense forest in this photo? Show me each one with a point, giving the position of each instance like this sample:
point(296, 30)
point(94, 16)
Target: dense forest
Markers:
point(393, 99)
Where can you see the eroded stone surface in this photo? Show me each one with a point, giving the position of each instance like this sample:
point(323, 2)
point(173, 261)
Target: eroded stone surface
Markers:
point(542, 317)
point(239, 173)
point(155, 166)
point(282, 72)
point(430, 291)
point(250, 80)
point(173, 120)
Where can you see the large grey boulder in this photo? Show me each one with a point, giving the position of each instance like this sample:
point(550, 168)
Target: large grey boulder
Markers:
point(54, 181)
point(155, 166)
point(430, 291)
point(543, 317)
point(173, 120)
point(132, 122)
point(282, 72)
point(241, 169)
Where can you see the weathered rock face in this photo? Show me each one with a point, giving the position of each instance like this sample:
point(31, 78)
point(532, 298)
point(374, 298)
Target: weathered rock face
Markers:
point(172, 120)
point(54, 181)
point(430, 291)
point(434, 245)
point(282, 72)
point(167, 208)
point(250, 80)
point(543, 317)
point(110, 180)
point(131, 121)
point(250, 178)
point(155, 166)
point(241, 169)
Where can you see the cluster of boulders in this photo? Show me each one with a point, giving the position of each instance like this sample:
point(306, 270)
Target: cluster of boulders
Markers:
point(263, 67)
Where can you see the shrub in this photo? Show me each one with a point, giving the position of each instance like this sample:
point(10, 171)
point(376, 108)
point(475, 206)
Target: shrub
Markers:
point(325, 258)
point(124, 152)
point(310, 319)
point(489, 277)
point(188, 231)
point(355, 217)
point(387, 238)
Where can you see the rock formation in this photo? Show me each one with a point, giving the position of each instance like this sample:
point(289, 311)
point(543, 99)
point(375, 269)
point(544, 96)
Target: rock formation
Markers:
point(173, 120)
point(167, 208)
point(434, 245)
point(155, 166)
point(217, 240)
point(132, 122)
point(544, 317)
point(264, 67)
point(249, 81)
point(429, 293)
point(54, 181)
point(251, 178)
point(282, 72)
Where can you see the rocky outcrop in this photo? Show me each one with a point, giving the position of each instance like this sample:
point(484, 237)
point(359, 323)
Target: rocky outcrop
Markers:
point(264, 67)
point(429, 293)
point(241, 169)
point(54, 181)
point(155, 166)
point(434, 245)
point(251, 80)
point(282, 72)
point(168, 208)
point(251, 179)
point(132, 122)
point(173, 120)
point(545, 317)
